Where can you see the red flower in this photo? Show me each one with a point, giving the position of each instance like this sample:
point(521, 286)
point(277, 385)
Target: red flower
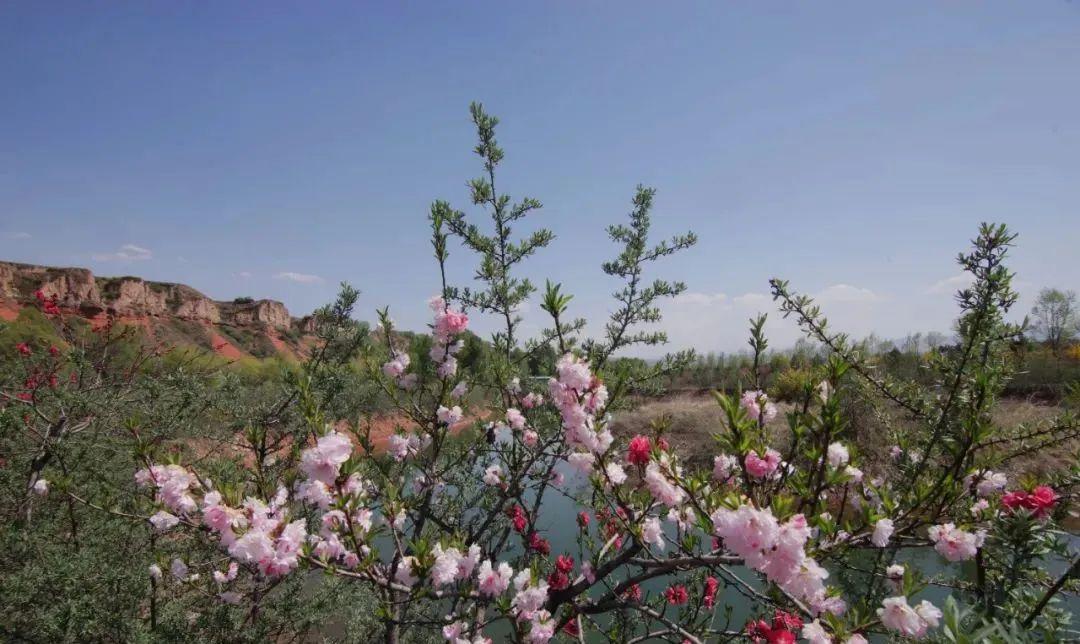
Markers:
point(25, 396)
point(633, 593)
point(571, 628)
point(1039, 501)
point(564, 563)
point(23, 348)
point(583, 519)
point(1042, 500)
point(711, 586)
point(676, 595)
point(760, 632)
point(663, 444)
point(53, 351)
point(638, 453)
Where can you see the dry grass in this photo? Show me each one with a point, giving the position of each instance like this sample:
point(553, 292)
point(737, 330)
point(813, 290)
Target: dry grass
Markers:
point(693, 419)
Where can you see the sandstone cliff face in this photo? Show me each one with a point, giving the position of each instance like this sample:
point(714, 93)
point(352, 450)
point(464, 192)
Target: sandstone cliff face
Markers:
point(265, 312)
point(77, 290)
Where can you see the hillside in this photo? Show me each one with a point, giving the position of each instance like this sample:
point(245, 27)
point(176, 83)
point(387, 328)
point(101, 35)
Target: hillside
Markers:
point(172, 314)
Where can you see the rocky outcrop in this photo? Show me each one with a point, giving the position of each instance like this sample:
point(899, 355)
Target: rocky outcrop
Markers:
point(259, 312)
point(78, 290)
point(74, 288)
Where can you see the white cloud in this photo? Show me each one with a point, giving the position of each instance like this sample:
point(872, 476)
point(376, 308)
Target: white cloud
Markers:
point(244, 274)
point(15, 235)
point(127, 253)
point(302, 278)
point(950, 285)
point(847, 293)
point(751, 299)
point(700, 299)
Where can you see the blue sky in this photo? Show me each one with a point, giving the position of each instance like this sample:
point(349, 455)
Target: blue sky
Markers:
point(239, 147)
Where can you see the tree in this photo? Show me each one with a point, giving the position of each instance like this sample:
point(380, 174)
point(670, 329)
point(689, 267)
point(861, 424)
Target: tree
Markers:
point(1056, 317)
point(446, 530)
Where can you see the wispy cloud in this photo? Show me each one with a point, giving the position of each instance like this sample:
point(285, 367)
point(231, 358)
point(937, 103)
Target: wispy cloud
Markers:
point(950, 284)
point(847, 293)
point(127, 253)
point(15, 235)
point(244, 274)
point(701, 299)
point(302, 278)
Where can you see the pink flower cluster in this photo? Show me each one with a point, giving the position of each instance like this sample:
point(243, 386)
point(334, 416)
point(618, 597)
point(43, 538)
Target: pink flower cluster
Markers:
point(451, 565)
point(776, 550)
point(762, 467)
point(448, 325)
point(173, 484)
point(897, 615)
point(579, 397)
point(757, 406)
point(955, 544)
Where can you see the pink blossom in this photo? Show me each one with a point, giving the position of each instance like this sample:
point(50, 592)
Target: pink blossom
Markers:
point(459, 390)
point(573, 373)
point(530, 438)
point(492, 581)
point(723, 466)
point(615, 473)
point(986, 482)
point(759, 467)
point(402, 446)
point(515, 418)
point(449, 416)
point(493, 475)
point(530, 597)
point(955, 544)
point(815, 633)
point(897, 615)
point(324, 461)
point(652, 533)
point(662, 489)
point(581, 462)
point(532, 400)
point(163, 521)
point(223, 577)
point(757, 406)
point(883, 531)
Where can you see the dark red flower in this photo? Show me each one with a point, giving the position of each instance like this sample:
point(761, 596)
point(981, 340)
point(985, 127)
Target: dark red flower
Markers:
point(24, 348)
point(518, 518)
point(53, 351)
point(633, 593)
point(558, 580)
point(539, 544)
point(638, 452)
point(571, 628)
point(25, 396)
